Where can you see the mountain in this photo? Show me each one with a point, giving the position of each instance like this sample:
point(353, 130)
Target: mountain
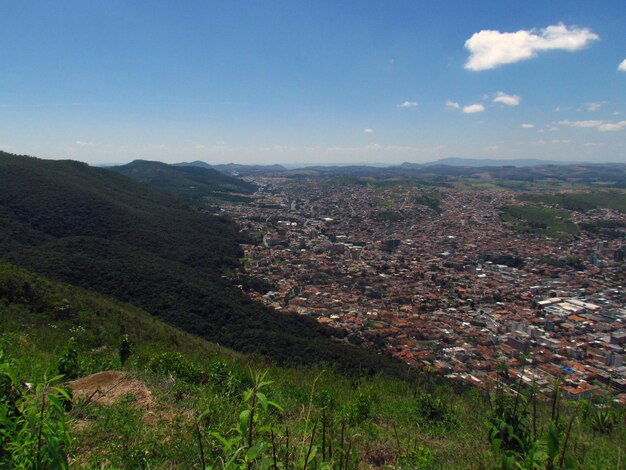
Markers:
point(100, 230)
point(196, 183)
point(487, 162)
point(235, 169)
point(196, 163)
point(249, 170)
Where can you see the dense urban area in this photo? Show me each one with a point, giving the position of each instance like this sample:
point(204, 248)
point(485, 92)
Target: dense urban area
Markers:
point(457, 280)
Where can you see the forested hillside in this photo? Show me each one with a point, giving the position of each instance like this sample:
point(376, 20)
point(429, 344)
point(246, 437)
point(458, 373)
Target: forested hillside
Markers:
point(97, 229)
point(198, 184)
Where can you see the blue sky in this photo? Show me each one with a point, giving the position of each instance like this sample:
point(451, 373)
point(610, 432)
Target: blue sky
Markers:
point(313, 81)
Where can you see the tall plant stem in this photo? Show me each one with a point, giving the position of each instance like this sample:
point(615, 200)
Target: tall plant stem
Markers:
point(201, 446)
point(308, 453)
point(40, 433)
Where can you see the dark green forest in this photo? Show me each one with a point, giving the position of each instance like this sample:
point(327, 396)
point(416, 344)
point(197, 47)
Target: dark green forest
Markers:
point(198, 184)
point(100, 230)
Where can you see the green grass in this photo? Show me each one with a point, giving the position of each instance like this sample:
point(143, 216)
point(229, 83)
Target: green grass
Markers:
point(417, 422)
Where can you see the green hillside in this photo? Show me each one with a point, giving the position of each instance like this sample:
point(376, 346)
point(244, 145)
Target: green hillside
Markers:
point(199, 184)
point(98, 229)
point(178, 401)
point(582, 200)
point(540, 220)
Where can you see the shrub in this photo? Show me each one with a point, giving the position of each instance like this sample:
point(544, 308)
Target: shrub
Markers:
point(432, 410)
point(361, 408)
point(227, 381)
point(176, 365)
point(69, 366)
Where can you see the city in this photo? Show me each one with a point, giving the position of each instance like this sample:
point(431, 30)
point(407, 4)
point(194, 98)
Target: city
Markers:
point(435, 277)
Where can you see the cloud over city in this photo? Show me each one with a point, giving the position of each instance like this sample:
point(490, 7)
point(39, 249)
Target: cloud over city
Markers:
point(490, 48)
point(602, 126)
point(506, 99)
point(473, 108)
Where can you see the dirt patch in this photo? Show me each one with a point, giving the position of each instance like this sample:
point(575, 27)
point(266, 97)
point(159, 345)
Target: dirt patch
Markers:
point(108, 387)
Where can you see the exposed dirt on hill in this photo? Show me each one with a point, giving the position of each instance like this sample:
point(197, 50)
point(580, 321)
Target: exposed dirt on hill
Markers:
point(108, 387)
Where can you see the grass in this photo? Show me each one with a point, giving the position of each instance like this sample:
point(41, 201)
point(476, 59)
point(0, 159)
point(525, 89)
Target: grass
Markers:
point(213, 405)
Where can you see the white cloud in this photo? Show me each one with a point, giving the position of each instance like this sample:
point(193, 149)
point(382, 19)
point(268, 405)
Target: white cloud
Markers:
point(602, 126)
point(622, 67)
point(408, 104)
point(612, 126)
point(582, 124)
point(528, 126)
point(490, 49)
point(82, 143)
point(594, 106)
point(473, 108)
point(452, 104)
point(509, 100)
point(368, 130)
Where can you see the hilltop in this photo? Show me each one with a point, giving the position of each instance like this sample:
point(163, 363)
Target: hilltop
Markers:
point(198, 183)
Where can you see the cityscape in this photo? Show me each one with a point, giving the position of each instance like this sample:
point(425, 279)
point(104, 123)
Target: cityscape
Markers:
point(437, 278)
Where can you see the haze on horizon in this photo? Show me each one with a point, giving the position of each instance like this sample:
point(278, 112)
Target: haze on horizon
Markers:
point(314, 82)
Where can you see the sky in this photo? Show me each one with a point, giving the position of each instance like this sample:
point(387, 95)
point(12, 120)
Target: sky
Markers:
point(313, 82)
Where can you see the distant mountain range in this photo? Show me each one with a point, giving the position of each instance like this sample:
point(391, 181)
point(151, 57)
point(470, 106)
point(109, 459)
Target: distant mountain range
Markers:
point(249, 170)
point(185, 182)
point(485, 162)
point(235, 169)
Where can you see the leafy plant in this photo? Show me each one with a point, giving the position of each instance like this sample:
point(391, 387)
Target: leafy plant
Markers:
point(432, 410)
point(226, 381)
point(175, 364)
point(361, 408)
point(602, 420)
point(251, 438)
point(33, 432)
point(69, 366)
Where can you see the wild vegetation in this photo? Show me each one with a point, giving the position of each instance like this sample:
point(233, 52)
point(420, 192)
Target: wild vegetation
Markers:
point(181, 401)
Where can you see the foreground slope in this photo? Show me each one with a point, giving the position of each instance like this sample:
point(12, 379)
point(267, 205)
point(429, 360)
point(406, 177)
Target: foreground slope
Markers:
point(97, 229)
point(164, 409)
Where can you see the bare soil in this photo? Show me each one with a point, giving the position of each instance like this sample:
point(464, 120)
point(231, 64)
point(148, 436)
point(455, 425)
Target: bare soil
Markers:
point(109, 386)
